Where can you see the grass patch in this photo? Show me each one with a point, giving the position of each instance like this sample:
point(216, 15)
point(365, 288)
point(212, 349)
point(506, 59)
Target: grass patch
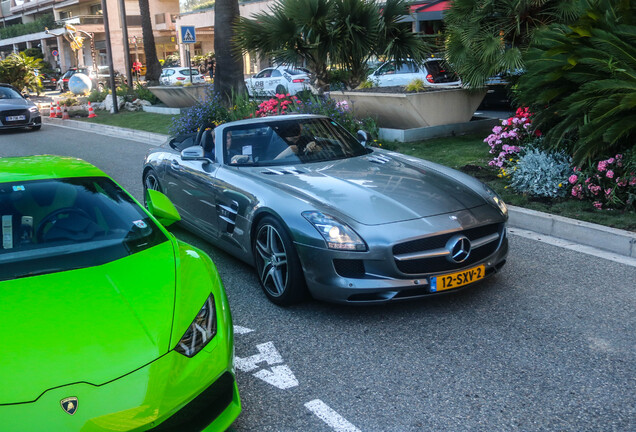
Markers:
point(138, 120)
point(468, 153)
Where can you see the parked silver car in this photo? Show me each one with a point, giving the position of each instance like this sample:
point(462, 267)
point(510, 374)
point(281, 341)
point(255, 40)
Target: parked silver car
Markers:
point(16, 111)
point(312, 207)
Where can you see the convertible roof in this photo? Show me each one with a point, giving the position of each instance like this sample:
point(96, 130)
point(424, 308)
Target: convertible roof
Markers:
point(44, 167)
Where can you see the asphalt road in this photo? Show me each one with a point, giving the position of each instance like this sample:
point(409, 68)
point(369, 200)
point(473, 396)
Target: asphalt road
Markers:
point(548, 344)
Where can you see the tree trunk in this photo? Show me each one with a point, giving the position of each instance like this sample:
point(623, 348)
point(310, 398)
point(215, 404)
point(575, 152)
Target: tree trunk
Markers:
point(228, 73)
point(153, 67)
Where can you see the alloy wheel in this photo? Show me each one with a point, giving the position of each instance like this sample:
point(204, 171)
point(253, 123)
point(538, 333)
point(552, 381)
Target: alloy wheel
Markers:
point(272, 260)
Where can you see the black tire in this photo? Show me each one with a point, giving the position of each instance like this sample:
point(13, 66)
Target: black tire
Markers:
point(280, 89)
point(151, 181)
point(277, 265)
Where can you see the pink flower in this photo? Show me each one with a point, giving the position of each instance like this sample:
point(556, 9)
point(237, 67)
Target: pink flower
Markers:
point(573, 178)
point(610, 174)
point(598, 205)
point(611, 160)
point(632, 181)
point(608, 191)
point(587, 180)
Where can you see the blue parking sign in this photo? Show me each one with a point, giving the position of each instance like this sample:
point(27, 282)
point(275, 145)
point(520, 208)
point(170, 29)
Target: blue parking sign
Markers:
point(188, 35)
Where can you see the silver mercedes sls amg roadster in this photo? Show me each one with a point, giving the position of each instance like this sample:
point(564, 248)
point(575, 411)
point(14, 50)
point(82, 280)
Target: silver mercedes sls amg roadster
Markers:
point(316, 210)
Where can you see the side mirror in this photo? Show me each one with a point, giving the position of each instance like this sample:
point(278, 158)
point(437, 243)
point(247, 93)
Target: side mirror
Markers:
point(192, 153)
point(363, 137)
point(161, 207)
point(26, 95)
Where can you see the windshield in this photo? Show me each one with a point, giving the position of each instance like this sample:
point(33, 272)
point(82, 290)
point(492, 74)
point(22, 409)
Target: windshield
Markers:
point(189, 72)
point(289, 142)
point(9, 93)
point(62, 224)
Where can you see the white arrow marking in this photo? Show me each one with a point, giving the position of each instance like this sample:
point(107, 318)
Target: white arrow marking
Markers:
point(280, 376)
point(329, 416)
point(267, 353)
point(238, 330)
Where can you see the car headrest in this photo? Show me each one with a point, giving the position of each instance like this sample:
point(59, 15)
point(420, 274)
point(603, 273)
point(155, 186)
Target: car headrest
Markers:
point(207, 142)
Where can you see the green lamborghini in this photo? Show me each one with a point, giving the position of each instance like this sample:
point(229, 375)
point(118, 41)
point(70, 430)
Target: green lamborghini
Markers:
point(107, 321)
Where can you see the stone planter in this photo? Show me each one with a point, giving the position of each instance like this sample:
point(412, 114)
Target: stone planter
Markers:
point(414, 110)
point(180, 96)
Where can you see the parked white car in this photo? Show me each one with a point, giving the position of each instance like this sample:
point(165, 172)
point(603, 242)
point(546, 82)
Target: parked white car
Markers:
point(173, 75)
point(279, 80)
point(433, 72)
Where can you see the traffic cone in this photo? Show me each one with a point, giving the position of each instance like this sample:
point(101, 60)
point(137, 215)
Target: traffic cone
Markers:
point(91, 111)
point(65, 115)
point(52, 113)
point(58, 113)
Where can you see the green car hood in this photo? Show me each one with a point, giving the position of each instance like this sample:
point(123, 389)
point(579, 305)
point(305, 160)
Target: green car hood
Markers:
point(88, 325)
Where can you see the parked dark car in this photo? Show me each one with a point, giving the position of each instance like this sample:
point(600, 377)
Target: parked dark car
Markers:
point(49, 80)
point(16, 111)
point(100, 80)
point(312, 207)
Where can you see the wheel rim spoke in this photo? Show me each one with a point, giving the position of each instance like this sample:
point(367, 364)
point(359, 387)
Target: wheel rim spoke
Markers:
point(272, 260)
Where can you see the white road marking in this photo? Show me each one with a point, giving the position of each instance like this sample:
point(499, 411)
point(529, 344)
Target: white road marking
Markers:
point(329, 416)
point(622, 259)
point(280, 376)
point(267, 353)
point(238, 330)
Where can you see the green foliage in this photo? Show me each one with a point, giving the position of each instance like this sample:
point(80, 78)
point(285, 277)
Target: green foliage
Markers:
point(204, 5)
point(417, 85)
point(366, 84)
point(346, 32)
point(581, 79)
point(27, 28)
point(19, 71)
point(541, 173)
point(210, 111)
point(143, 93)
point(488, 37)
point(97, 96)
point(69, 101)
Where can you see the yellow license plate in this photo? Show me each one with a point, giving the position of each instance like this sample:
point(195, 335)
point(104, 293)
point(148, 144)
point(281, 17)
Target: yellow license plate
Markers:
point(455, 280)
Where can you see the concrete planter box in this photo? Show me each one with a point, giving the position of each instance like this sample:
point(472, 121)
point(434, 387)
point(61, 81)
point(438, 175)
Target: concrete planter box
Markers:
point(414, 110)
point(180, 96)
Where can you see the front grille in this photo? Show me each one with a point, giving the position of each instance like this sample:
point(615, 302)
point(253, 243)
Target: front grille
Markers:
point(439, 264)
point(10, 113)
point(349, 268)
point(203, 409)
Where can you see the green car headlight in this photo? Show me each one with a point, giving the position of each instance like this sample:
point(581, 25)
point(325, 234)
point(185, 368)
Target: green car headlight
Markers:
point(200, 332)
point(337, 234)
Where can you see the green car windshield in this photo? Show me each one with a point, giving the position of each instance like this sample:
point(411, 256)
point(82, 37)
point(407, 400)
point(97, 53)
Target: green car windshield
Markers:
point(63, 224)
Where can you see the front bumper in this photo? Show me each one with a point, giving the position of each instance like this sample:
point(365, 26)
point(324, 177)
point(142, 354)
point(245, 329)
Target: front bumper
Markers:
point(376, 276)
point(171, 393)
point(34, 119)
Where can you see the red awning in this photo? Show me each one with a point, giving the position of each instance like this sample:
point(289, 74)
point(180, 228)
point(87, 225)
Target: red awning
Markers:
point(430, 6)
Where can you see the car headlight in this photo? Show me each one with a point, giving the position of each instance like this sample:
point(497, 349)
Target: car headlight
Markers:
point(200, 332)
point(33, 109)
point(337, 234)
point(497, 200)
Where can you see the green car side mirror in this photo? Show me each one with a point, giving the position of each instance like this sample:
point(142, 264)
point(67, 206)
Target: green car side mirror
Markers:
point(161, 207)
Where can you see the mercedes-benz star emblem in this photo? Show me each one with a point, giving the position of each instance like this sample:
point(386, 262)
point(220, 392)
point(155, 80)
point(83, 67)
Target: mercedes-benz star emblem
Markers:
point(69, 405)
point(459, 248)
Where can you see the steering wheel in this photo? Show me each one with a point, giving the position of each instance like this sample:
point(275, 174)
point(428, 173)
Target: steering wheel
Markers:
point(52, 217)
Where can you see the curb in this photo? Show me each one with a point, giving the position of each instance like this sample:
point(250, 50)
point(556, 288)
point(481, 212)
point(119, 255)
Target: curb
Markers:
point(620, 242)
point(617, 241)
point(113, 131)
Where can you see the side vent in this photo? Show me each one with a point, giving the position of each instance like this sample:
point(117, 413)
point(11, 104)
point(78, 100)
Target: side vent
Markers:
point(379, 159)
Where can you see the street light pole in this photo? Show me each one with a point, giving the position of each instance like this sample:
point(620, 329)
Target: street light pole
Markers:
point(109, 56)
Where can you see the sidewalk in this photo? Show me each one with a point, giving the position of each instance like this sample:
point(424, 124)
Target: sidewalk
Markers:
point(611, 240)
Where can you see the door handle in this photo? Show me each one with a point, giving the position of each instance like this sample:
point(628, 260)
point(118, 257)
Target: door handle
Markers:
point(175, 164)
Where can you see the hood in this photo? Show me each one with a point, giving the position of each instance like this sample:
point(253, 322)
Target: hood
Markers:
point(375, 189)
point(90, 325)
point(15, 103)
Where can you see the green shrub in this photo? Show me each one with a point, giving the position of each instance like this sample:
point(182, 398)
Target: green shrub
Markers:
point(143, 93)
point(69, 101)
point(417, 85)
point(366, 84)
point(97, 96)
point(210, 111)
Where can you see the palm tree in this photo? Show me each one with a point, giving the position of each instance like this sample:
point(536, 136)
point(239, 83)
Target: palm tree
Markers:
point(488, 37)
point(228, 73)
point(346, 33)
point(19, 71)
point(153, 67)
point(582, 80)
